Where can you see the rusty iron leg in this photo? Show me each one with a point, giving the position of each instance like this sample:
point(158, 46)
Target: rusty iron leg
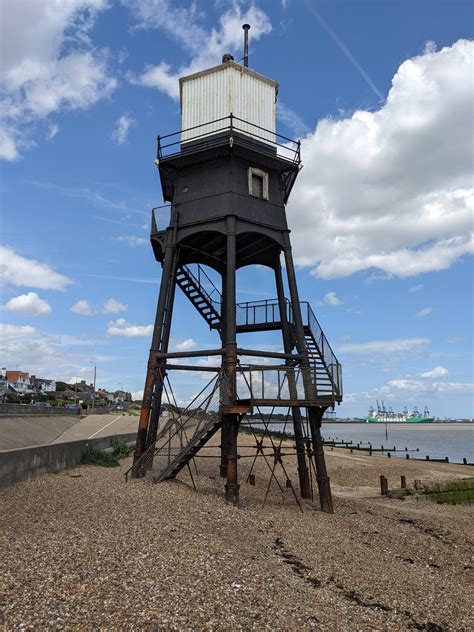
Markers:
point(144, 415)
point(223, 464)
point(232, 487)
point(303, 473)
point(322, 478)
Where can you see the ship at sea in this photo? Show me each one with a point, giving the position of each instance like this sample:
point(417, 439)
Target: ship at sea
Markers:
point(384, 415)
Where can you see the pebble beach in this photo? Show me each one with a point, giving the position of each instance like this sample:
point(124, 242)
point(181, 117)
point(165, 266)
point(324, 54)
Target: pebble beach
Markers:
point(83, 550)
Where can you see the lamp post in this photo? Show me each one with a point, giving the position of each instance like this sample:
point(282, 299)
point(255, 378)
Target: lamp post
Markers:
point(93, 388)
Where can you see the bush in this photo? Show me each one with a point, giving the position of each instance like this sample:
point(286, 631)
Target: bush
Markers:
point(120, 449)
point(100, 458)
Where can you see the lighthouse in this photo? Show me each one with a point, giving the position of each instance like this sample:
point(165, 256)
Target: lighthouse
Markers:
point(228, 175)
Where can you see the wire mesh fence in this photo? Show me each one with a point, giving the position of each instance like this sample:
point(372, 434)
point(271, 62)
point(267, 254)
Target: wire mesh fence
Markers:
point(180, 430)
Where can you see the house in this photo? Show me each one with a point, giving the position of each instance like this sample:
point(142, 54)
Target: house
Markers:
point(103, 393)
point(45, 386)
point(122, 396)
point(19, 380)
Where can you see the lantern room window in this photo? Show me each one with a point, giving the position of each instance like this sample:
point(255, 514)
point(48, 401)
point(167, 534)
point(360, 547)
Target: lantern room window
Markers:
point(258, 183)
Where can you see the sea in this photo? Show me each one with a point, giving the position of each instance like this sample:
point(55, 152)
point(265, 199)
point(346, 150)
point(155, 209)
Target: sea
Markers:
point(436, 440)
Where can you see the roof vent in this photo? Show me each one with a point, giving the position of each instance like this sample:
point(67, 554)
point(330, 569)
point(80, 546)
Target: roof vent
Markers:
point(227, 57)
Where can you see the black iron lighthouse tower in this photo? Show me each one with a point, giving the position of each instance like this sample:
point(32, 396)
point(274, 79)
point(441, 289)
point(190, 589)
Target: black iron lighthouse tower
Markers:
point(228, 176)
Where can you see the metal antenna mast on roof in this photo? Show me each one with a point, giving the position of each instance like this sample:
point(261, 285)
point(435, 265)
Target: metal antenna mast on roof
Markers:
point(246, 28)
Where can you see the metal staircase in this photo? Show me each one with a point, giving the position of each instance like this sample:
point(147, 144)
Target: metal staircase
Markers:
point(176, 464)
point(264, 316)
point(183, 432)
point(207, 303)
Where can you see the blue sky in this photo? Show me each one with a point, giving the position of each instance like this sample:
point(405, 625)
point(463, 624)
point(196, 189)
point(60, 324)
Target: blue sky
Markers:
point(381, 216)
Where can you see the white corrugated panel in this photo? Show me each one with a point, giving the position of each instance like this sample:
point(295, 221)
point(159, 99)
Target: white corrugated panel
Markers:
point(226, 89)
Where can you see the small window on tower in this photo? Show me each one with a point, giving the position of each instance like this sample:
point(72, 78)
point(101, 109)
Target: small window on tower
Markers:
point(258, 183)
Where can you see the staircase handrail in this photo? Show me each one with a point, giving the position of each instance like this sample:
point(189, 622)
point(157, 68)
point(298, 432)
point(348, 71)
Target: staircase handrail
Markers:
point(327, 354)
point(197, 280)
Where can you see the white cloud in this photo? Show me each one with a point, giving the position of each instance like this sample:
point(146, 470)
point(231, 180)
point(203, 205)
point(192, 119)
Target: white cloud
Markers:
point(121, 327)
point(19, 270)
point(406, 203)
point(438, 371)
point(112, 306)
point(182, 345)
point(52, 131)
point(133, 240)
point(49, 64)
point(184, 26)
point(416, 288)
point(83, 307)
point(331, 299)
point(377, 347)
point(45, 355)
point(122, 127)
point(422, 313)
point(292, 120)
point(30, 304)
point(109, 306)
point(418, 387)
point(9, 332)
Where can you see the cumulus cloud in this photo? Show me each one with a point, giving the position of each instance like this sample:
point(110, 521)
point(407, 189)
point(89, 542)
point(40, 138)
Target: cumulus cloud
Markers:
point(418, 387)
point(184, 27)
point(438, 371)
point(46, 355)
point(109, 306)
point(122, 127)
point(121, 327)
point(330, 299)
point(392, 189)
point(406, 389)
point(182, 345)
point(112, 306)
point(83, 307)
point(49, 64)
point(30, 304)
point(10, 332)
point(19, 270)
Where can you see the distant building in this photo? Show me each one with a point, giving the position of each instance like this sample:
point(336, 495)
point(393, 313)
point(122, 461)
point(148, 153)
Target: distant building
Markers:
point(44, 386)
point(20, 381)
point(122, 396)
point(104, 394)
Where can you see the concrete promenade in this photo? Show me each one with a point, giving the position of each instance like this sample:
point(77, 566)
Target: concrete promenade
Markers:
point(22, 431)
point(94, 426)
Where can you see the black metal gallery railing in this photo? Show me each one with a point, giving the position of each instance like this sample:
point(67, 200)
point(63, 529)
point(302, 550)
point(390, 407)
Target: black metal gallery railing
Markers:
point(260, 312)
point(225, 130)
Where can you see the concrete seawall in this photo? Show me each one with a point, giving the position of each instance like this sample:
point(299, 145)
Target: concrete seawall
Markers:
point(26, 463)
point(30, 409)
